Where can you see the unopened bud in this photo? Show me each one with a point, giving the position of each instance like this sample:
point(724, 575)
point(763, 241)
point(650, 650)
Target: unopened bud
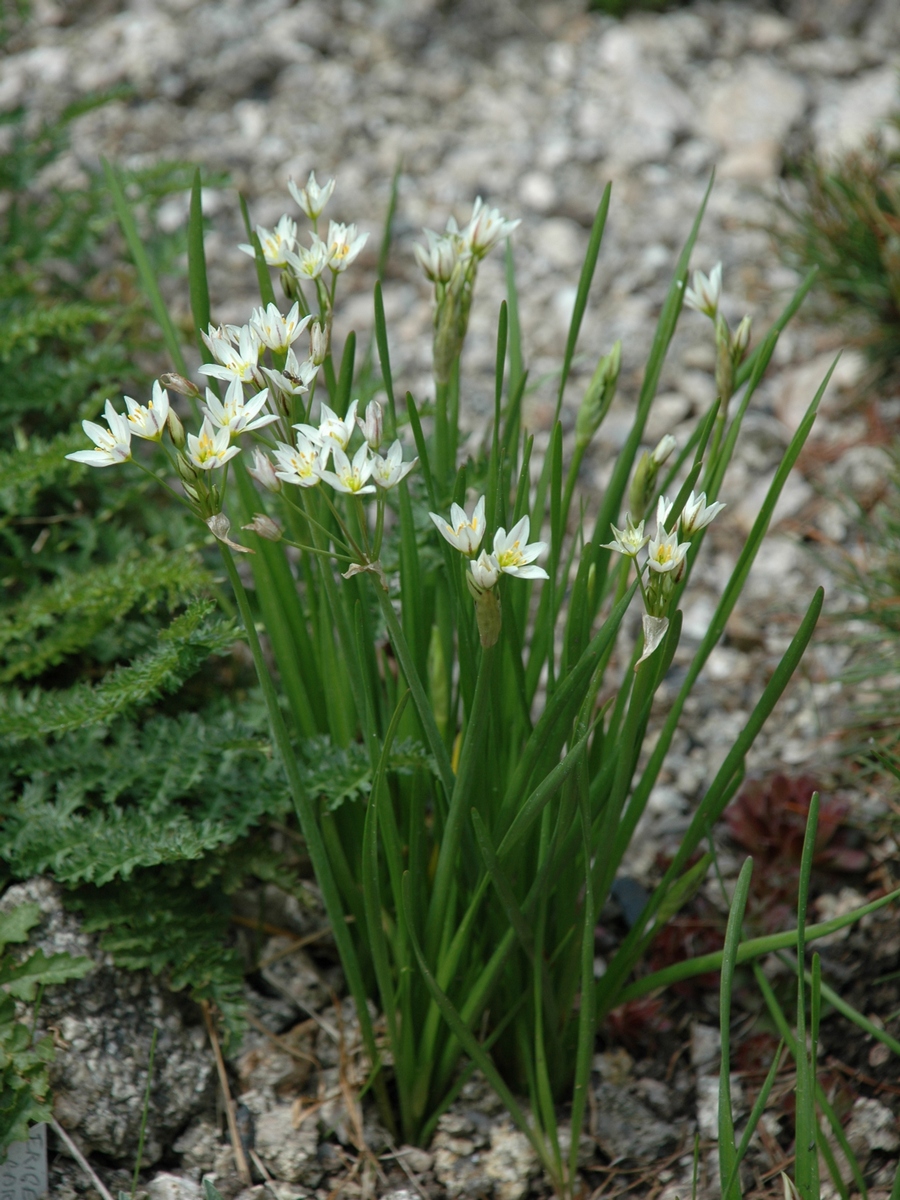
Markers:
point(318, 343)
point(176, 429)
point(290, 285)
point(641, 491)
point(263, 471)
point(724, 360)
point(599, 395)
point(373, 425)
point(663, 449)
point(177, 383)
point(741, 340)
point(187, 472)
point(265, 527)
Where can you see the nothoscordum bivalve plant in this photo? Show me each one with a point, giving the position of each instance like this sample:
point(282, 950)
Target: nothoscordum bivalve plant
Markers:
point(460, 622)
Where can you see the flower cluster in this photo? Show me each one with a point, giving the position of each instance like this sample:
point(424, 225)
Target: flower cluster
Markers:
point(450, 260)
point(665, 557)
point(731, 347)
point(512, 554)
point(281, 248)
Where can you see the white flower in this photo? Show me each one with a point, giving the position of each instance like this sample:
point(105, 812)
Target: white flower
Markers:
point(312, 199)
point(441, 255)
point(263, 471)
point(149, 422)
point(299, 464)
point(462, 533)
point(654, 632)
point(485, 228)
point(663, 508)
point(332, 428)
point(741, 341)
point(309, 264)
point(373, 426)
point(630, 540)
point(212, 448)
point(388, 471)
point(233, 361)
point(318, 343)
point(666, 552)
point(113, 444)
point(697, 514)
point(296, 377)
point(275, 243)
point(663, 449)
point(514, 555)
point(276, 331)
point(343, 245)
point(705, 291)
point(347, 476)
point(485, 571)
point(237, 415)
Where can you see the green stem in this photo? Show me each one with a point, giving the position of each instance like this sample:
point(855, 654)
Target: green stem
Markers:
point(420, 699)
point(310, 827)
point(447, 864)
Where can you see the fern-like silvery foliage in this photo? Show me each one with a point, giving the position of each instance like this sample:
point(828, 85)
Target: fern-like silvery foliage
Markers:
point(180, 650)
point(24, 1081)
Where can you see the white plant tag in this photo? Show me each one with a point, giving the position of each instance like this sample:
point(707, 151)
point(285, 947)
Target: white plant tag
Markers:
point(24, 1174)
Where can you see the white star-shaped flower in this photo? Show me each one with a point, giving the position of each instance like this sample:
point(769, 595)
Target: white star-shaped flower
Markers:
point(150, 421)
point(462, 532)
point(211, 449)
point(514, 554)
point(113, 444)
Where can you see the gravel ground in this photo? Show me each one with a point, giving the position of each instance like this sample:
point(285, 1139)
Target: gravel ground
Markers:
point(535, 106)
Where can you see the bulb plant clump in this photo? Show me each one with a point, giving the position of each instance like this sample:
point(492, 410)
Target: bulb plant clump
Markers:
point(466, 613)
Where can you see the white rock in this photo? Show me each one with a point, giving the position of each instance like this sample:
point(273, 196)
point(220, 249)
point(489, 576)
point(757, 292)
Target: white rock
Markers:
point(849, 112)
point(289, 1153)
point(706, 1047)
point(708, 1103)
point(173, 1187)
point(872, 1127)
point(537, 191)
point(750, 113)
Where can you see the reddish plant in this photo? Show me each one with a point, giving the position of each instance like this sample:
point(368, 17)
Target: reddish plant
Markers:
point(768, 819)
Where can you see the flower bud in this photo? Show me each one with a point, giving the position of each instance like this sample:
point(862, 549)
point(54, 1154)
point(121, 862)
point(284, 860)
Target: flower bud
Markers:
point(741, 340)
point(187, 472)
point(663, 449)
point(318, 343)
point(373, 425)
point(176, 429)
point(177, 383)
point(724, 360)
point(263, 471)
point(265, 527)
point(599, 395)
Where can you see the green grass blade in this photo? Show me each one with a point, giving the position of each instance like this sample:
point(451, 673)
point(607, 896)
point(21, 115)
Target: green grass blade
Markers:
point(516, 361)
point(384, 251)
point(341, 396)
point(753, 948)
point(372, 905)
point(468, 1041)
point(587, 1015)
point(834, 1121)
point(585, 280)
point(753, 1120)
point(384, 356)
point(142, 263)
point(263, 278)
point(198, 285)
point(806, 1164)
point(728, 1161)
